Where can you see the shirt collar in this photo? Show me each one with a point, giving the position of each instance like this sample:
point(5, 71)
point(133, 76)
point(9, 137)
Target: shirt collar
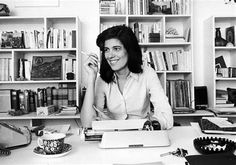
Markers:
point(130, 76)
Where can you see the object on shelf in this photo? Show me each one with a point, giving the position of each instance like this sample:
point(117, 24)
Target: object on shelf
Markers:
point(211, 145)
point(231, 95)
point(46, 68)
point(230, 36)
point(4, 10)
point(45, 111)
point(219, 41)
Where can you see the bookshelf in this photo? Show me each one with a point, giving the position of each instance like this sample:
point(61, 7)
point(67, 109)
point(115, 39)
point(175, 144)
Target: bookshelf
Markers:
point(28, 47)
point(220, 61)
point(161, 28)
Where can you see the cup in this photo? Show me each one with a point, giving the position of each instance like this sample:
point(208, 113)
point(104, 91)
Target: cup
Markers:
point(52, 143)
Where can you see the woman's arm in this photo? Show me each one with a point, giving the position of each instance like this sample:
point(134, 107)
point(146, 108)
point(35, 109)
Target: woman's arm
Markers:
point(88, 114)
point(162, 109)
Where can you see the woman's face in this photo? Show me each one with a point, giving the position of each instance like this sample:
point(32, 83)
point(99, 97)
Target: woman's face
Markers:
point(116, 55)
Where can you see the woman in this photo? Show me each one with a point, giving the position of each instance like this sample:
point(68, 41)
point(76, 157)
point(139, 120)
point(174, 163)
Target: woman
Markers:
point(124, 89)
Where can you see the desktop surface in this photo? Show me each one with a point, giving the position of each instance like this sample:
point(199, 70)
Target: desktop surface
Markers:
point(89, 152)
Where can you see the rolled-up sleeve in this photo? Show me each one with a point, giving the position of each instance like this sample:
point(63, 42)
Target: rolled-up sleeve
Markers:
point(162, 109)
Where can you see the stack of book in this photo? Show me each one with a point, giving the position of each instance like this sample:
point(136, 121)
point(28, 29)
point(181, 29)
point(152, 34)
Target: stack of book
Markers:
point(154, 37)
point(222, 99)
point(107, 6)
point(179, 95)
point(168, 60)
point(68, 111)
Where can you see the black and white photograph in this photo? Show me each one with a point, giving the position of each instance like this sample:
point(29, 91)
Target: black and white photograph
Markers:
point(117, 82)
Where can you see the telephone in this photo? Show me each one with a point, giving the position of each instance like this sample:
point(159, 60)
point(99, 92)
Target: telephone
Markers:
point(12, 137)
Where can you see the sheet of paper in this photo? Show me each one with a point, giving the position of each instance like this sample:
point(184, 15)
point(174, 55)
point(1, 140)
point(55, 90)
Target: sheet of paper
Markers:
point(118, 124)
point(58, 128)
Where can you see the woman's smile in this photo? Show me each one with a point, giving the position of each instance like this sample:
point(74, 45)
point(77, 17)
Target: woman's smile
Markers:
point(116, 54)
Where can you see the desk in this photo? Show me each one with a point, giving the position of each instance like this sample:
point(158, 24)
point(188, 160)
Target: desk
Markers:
point(84, 152)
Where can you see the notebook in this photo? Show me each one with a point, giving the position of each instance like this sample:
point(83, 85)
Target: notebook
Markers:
point(135, 139)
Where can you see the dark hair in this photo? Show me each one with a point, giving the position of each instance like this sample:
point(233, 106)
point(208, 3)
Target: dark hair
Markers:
point(126, 36)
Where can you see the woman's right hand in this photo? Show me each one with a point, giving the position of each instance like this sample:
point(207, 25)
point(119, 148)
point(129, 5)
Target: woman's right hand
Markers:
point(91, 66)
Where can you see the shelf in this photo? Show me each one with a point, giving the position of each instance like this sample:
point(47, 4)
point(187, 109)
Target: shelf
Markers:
point(165, 44)
point(32, 115)
point(38, 37)
point(219, 84)
point(143, 24)
point(226, 79)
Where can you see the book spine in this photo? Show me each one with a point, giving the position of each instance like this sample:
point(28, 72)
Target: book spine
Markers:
point(65, 97)
point(22, 101)
point(55, 97)
point(32, 101)
point(49, 96)
point(14, 99)
point(40, 97)
point(26, 102)
point(70, 97)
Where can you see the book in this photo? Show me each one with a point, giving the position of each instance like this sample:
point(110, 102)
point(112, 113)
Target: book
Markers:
point(46, 68)
point(217, 125)
point(49, 96)
point(6, 38)
point(5, 100)
point(55, 97)
point(17, 40)
point(15, 99)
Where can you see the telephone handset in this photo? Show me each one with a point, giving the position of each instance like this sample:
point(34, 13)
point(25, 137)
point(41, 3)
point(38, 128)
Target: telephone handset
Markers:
point(13, 136)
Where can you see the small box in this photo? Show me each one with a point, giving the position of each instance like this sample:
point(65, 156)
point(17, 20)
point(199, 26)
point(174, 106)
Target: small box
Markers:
point(45, 111)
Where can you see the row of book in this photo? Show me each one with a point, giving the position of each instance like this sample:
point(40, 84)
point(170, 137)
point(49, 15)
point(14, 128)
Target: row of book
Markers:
point(46, 68)
point(222, 99)
point(147, 32)
point(61, 38)
point(5, 69)
point(150, 7)
point(226, 72)
point(174, 60)
point(28, 100)
point(34, 39)
point(22, 39)
point(112, 6)
point(179, 93)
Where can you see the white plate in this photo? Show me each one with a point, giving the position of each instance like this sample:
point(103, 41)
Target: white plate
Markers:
point(66, 149)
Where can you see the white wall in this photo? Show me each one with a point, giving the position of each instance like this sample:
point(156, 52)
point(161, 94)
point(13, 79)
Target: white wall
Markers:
point(88, 11)
point(202, 10)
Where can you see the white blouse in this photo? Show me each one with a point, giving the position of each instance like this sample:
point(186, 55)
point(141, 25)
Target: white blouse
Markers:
point(134, 102)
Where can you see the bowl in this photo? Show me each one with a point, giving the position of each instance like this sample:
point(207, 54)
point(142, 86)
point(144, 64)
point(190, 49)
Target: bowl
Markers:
point(211, 145)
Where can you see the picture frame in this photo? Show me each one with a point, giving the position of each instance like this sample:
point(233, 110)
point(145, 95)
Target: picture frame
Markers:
point(230, 34)
point(46, 68)
point(220, 62)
